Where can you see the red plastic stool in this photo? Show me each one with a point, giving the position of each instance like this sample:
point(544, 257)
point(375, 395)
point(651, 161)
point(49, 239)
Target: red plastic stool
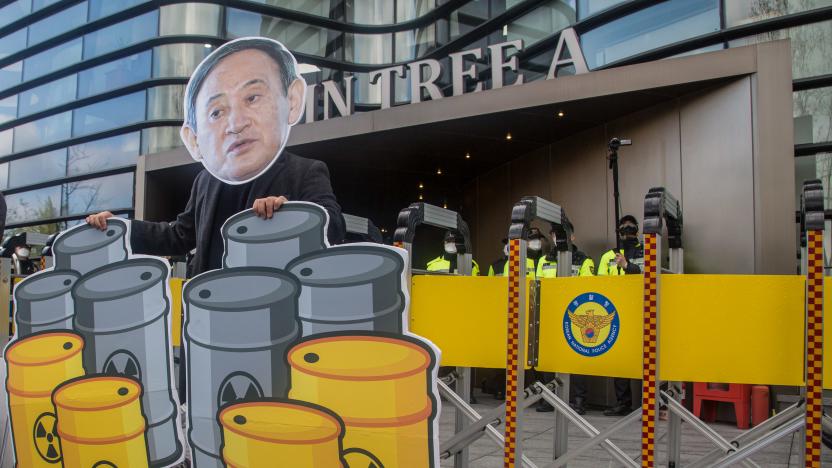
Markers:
point(706, 395)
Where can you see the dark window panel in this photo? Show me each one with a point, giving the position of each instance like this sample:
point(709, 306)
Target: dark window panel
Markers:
point(813, 116)
point(42, 132)
point(11, 43)
point(178, 60)
point(56, 58)
point(4, 176)
point(102, 8)
point(91, 195)
point(811, 49)
point(165, 102)
point(100, 155)
point(43, 203)
point(11, 75)
point(14, 11)
point(58, 23)
point(114, 75)
point(48, 95)
point(38, 168)
point(590, 7)
point(298, 37)
point(110, 114)
point(190, 18)
point(738, 12)
point(541, 22)
point(647, 29)
point(39, 4)
point(6, 142)
point(121, 35)
point(8, 109)
point(158, 139)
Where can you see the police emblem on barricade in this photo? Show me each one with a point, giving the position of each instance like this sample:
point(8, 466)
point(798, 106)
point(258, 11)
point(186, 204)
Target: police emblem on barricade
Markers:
point(591, 325)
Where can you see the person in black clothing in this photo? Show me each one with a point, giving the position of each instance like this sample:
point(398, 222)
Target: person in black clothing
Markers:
point(240, 103)
point(627, 260)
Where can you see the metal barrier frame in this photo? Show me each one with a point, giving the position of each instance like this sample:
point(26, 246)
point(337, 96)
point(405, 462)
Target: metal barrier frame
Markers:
point(522, 214)
point(407, 221)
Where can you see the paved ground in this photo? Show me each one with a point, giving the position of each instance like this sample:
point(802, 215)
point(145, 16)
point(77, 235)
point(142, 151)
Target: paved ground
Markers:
point(538, 434)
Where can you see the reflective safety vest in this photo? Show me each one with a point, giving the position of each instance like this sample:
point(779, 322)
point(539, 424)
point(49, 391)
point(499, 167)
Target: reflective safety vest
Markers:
point(581, 266)
point(440, 264)
point(608, 267)
point(529, 268)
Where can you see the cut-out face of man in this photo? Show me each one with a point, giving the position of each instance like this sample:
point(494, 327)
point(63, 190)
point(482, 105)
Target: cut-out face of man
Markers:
point(242, 113)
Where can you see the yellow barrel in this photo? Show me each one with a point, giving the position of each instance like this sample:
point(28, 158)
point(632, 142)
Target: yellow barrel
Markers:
point(298, 434)
point(378, 385)
point(100, 422)
point(36, 365)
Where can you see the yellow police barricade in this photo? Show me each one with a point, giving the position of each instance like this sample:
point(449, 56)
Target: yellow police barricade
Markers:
point(408, 220)
point(703, 318)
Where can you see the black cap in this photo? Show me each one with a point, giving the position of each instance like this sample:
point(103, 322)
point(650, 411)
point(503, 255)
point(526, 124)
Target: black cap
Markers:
point(15, 241)
point(450, 236)
point(628, 219)
point(534, 233)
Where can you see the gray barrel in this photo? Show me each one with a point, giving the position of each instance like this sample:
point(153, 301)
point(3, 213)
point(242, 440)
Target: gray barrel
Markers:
point(122, 312)
point(240, 323)
point(85, 248)
point(295, 229)
point(44, 302)
point(351, 287)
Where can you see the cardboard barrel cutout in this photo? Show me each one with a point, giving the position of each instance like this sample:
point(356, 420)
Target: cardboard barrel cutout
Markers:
point(90, 369)
point(296, 353)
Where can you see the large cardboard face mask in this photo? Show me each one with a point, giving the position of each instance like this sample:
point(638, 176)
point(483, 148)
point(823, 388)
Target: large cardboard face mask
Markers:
point(240, 105)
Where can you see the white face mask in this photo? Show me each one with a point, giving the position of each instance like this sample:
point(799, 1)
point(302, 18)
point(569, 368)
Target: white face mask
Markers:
point(535, 244)
point(450, 248)
point(23, 253)
point(505, 250)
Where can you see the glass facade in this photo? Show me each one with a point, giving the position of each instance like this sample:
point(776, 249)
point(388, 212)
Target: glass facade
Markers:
point(80, 100)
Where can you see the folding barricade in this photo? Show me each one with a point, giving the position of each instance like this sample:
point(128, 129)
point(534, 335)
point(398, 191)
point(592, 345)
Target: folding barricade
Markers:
point(408, 220)
point(679, 328)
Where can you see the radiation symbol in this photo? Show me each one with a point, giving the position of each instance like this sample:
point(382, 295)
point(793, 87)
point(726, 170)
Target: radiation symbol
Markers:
point(104, 464)
point(360, 458)
point(123, 362)
point(238, 386)
point(45, 434)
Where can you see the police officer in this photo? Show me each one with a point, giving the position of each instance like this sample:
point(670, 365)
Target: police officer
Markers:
point(499, 266)
point(582, 265)
point(19, 251)
point(535, 246)
point(630, 258)
point(446, 262)
point(627, 260)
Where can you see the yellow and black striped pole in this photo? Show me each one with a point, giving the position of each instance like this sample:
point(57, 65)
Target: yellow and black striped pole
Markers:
point(662, 214)
point(514, 365)
point(813, 219)
point(650, 357)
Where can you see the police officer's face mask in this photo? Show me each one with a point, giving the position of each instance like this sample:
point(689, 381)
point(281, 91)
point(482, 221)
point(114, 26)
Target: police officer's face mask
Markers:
point(23, 252)
point(450, 248)
point(535, 245)
point(505, 250)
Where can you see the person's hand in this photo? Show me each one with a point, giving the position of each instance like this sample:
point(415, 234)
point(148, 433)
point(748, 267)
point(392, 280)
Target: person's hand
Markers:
point(265, 207)
point(621, 261)
point(99, 220)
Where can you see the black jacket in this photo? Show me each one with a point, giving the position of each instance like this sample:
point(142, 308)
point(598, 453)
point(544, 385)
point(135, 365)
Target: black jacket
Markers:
point(296, 178)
